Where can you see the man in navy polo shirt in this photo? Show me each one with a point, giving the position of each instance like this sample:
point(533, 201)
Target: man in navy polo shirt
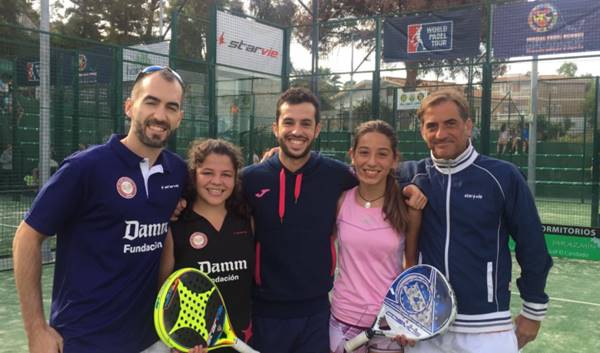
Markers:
point(109, 207)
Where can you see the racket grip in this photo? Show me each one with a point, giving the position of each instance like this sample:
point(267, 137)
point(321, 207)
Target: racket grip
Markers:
point(358, 341)
point(242, 347)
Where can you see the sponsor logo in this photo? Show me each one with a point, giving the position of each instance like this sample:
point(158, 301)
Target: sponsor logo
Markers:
point(240, 232)
point(136, 230)
point(198, 240)
point(82, 62)
point(225, 266)
point(429, 37)
point(262, 193)
point(571, 231)
point(543, 18)
point(172, 186)
point(474, 196)
point(126, 187)
point(134, 249)
point(241, 45)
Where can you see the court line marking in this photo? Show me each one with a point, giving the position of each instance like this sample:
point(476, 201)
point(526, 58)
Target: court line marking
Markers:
point(568, 300)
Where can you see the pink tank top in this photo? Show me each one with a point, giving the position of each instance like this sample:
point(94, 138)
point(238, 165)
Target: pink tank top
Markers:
point(371, 254)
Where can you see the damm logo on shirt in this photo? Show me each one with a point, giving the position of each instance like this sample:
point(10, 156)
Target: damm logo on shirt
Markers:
point(135, 230)
point(218, 267)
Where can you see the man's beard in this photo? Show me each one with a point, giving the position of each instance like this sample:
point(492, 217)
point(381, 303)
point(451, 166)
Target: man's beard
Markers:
point(289, 154)
point(151, 141)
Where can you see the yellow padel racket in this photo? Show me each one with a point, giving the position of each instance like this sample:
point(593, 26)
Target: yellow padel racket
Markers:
point(190, 311)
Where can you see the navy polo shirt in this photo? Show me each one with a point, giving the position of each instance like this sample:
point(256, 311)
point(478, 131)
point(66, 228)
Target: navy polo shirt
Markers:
point(110, 211)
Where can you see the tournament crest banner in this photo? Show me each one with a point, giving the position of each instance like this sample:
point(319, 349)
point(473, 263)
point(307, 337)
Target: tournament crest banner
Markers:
point(435, 36)
point(546, 27)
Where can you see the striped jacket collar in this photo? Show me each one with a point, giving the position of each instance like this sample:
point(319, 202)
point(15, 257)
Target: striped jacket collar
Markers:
point(451, 166)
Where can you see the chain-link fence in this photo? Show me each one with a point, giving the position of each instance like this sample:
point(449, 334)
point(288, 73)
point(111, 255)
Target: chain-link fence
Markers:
point(89, 81)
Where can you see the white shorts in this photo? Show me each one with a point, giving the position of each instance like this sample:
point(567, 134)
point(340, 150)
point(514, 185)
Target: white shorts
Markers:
point(455, 342)
point(340, 332)
point(157, 347)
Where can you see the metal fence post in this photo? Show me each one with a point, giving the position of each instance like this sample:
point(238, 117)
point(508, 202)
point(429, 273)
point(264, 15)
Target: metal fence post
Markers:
point(285, 68)
point(595, 160)
point(486, 95)
point(75, 118)
point(116, 108)
point(376, 86)
point(212, 68)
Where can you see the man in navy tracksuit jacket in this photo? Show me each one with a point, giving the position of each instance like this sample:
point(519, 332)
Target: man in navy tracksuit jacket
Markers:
point(475, 203)
point(293, 197)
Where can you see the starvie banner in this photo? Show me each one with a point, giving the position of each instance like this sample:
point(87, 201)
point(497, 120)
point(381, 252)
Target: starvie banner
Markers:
point(249, 45)
point(546, 27)
point(436, 36)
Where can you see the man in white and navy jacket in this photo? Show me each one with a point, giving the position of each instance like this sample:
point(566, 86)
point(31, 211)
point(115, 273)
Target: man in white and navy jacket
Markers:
point(475, 204)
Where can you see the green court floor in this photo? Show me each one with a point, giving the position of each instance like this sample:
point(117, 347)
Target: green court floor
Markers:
point(571, 324)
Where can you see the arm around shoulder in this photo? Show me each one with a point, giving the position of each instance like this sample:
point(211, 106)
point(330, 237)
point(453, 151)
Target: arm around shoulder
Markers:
point(167, 259)
point(27, 257)
point(412, 237)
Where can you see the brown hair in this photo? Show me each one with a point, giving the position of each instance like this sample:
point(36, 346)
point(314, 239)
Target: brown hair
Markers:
point(394, 209)
point(298, 95)
point(197, 153)
point(445, 95)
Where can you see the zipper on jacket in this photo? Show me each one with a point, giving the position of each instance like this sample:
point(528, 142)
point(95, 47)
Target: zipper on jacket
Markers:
point(490, 282)
point(257, 277)
point(447, 245)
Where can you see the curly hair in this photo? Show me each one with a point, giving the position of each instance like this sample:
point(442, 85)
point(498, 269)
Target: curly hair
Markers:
point(198, 152)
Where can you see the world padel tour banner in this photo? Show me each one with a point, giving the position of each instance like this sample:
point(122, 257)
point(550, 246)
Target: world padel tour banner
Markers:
point(248, 44)
point(546, 27)
point(93, 66)
point(437, 36)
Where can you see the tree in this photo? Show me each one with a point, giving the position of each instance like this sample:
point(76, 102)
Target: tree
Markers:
point(115, 21)
point(567, 69)
point(12, 12)
point(279, 12)
point(329, 84)
point(364, 110)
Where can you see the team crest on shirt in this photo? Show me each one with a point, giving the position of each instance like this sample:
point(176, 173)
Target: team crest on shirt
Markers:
point(126, 187)
point(198, 240)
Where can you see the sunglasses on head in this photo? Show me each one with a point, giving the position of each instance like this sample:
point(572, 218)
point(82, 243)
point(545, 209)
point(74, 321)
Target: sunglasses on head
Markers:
point(154, 68)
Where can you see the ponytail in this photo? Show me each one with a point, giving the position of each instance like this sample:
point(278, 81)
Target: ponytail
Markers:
point(394, 208)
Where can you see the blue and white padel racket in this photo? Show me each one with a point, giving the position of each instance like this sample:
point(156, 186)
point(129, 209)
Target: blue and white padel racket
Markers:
point(420, 304)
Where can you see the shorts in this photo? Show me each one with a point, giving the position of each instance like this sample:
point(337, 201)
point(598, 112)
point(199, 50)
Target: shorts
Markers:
point(340, 333)
point(291, 335)
point(450, 342)
point(157, 347)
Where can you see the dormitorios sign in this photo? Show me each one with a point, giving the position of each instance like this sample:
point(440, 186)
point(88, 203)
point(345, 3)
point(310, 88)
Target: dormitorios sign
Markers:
point(249, 45)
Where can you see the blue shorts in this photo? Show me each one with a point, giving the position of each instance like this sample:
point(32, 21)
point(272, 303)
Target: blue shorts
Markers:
point(296, 335)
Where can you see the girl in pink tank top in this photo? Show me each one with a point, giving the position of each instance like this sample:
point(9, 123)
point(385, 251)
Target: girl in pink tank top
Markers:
point(377, 235)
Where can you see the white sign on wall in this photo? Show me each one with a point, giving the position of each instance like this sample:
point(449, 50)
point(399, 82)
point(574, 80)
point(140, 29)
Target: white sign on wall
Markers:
point(142, 55)
point(410, 100)
point(250, 45)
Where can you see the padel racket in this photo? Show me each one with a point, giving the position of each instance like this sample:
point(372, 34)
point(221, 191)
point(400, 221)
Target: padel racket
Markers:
point(190, 311)
point(419, 304)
